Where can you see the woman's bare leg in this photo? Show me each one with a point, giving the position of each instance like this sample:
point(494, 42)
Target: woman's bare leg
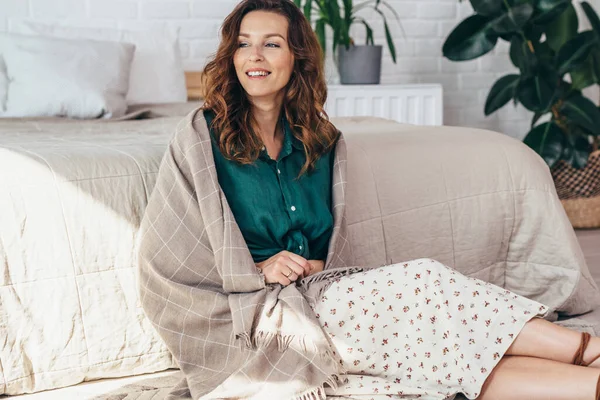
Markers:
point(517, 377)
point(543, 339)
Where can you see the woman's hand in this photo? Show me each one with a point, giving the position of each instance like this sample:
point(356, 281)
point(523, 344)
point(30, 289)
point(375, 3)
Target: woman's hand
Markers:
point(284, 267)
point(316, 266)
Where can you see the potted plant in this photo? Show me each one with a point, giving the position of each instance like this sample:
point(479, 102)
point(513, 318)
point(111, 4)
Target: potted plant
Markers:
point(555, 62)
point(357, 64)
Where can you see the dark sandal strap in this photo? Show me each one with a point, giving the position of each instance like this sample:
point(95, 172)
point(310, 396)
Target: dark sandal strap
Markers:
point(578, 357)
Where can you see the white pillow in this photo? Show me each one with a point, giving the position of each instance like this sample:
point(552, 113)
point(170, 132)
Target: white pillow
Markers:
point(61, 77)
point(157, 74)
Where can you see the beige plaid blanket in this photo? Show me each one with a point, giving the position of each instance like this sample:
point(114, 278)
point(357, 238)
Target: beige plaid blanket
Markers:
point(233, 336)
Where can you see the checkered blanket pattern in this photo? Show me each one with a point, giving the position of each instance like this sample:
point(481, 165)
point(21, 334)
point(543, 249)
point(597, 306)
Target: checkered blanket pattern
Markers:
point(232, 335)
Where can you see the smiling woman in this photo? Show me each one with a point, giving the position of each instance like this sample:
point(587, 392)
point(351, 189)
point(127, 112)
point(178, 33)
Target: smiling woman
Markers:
point(248, 274)
point(277, 59)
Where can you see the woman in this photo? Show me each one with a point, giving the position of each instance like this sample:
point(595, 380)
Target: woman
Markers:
point(251, 286)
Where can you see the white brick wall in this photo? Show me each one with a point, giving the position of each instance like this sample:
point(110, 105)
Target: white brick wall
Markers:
point(426, 23)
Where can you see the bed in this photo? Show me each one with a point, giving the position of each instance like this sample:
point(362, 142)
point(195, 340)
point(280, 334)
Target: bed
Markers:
point(72, 194)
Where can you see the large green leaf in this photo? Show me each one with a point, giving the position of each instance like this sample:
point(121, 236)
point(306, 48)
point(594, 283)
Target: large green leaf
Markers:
point(487, 8)
point(547, 10)
point(521, 56)
point(562, 29)
point(547, 140)
point(577, 148)
point(591, 16)
point(549, 5)
point(574, 53)
point(501, 93)
point(582, 112)
point(535, 93)
point(544, 54)
point(472, 38)
point(512, 20)
point(588, 73)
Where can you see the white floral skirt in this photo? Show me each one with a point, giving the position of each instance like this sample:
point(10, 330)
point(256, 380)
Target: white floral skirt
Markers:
point(419, 330)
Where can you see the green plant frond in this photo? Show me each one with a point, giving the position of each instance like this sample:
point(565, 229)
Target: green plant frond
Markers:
point(320, 31)
point(362, 6)
point(347, 10)
point(321, 6)
point(392, 10)
point(368, 29)
point(388, 35)
point(395, 14)
point(308, 7)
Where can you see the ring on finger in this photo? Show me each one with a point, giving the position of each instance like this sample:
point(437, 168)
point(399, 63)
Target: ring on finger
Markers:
point(289, 274)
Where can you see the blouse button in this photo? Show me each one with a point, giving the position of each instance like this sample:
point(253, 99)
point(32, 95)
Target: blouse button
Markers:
point(278, 171)
point(300, 247)
point(293, 208)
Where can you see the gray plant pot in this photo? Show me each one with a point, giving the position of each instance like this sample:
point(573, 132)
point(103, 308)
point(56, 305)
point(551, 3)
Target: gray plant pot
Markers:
point(359, 64)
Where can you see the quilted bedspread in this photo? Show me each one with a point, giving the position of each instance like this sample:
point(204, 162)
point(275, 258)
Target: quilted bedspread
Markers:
point(72, 195)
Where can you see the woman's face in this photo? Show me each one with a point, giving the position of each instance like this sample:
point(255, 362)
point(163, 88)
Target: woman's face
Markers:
point(263, 61)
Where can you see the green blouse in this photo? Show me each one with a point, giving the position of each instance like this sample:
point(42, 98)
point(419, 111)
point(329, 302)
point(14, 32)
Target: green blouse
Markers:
point(274, 210)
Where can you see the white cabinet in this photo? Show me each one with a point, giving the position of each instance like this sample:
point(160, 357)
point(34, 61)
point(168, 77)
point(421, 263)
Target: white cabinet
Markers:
point(419, 104)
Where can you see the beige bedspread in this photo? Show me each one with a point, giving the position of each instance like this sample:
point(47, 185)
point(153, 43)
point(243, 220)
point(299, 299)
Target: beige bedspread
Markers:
point(72, 194)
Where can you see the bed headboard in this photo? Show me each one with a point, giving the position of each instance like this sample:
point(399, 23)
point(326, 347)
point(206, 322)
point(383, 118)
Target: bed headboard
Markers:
point(194, 84)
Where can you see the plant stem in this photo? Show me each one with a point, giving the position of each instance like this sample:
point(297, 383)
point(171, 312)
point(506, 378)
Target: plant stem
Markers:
point(558, 119)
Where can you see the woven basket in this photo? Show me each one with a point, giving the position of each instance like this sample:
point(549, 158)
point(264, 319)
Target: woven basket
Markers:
point(579, 191)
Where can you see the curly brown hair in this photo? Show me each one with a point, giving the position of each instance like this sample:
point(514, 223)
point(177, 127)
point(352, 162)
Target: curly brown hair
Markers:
point(305, 93)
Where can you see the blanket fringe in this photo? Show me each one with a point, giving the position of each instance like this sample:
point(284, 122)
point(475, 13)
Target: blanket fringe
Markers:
point(318, 393)
point(262, 339)
point(332, 274)
point(329, 275)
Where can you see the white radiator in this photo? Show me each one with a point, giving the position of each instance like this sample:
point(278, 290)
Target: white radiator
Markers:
point(412, 104)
